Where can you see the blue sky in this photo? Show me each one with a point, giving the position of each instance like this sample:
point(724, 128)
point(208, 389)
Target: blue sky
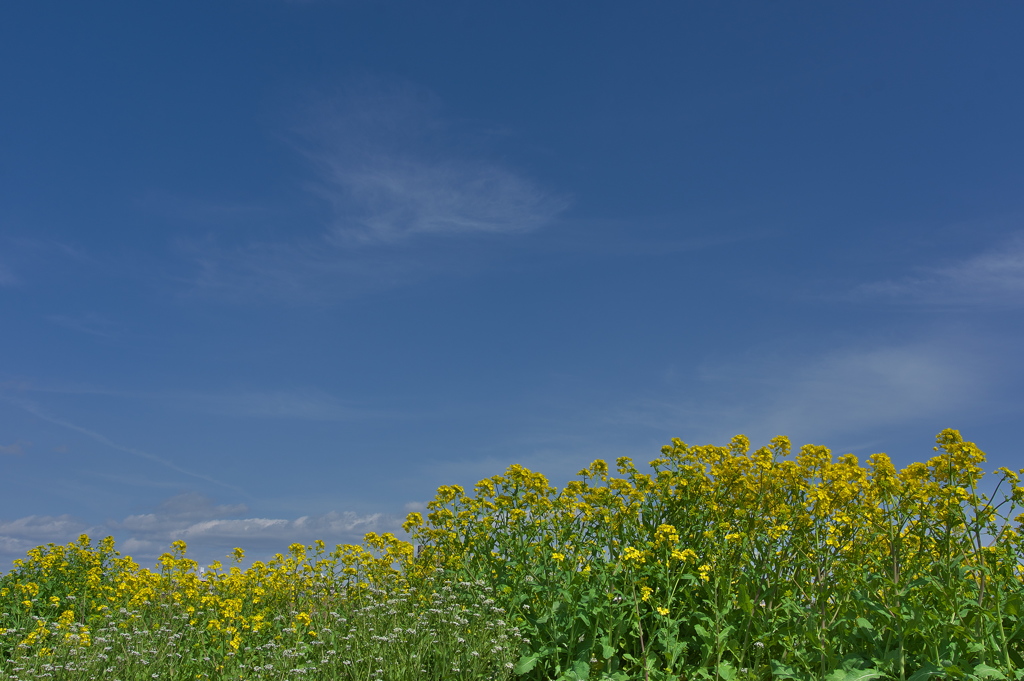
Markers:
point(274, 271)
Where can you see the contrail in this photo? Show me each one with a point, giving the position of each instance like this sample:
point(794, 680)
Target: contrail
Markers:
point(102, 439)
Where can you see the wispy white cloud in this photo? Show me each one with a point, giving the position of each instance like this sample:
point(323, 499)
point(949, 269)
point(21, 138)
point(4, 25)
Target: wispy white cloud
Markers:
point(840, 392)
point(348, 525)
point(313, 270)
point(15, 448)
point(23, 257)
point(89, 323)
point(392, 170)
point(401, 191)
point(306, 404)
point(21, 534)
point(46, 528)
point(211, 530)
point(385, 200)
point(993, 277)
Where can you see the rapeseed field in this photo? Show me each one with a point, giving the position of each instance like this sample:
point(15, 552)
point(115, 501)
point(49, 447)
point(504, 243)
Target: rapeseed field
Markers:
point(722, 563)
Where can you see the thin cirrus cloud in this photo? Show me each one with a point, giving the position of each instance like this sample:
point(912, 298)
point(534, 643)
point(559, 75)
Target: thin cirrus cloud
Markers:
point(32, 256)
point(393, 169)
point(303, 404)
point(88, 323)
point(824, 396)
point(993, 277)
point(401, 191)
point(41, 414)
point(15, 448)
point(384, 199)
point(209, 529)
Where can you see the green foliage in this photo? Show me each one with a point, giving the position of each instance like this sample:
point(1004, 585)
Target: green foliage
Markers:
point(721, 564)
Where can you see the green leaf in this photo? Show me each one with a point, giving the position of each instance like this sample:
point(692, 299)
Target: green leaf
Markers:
point(723, 635)
point(584, 647)
point(783, 671)
point(527, 663)
point(744, 602)
point(955, 671)
point(726, 671)
point(925, 673)
point(983, 671)
point(617, 676)
point(853, 675)
point(863, 623)
point(607, 651)
point(580, 670)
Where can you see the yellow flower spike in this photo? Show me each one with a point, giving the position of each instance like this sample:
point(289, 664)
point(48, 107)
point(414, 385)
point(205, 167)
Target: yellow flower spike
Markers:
point(666, 534)
point(663, 611)
point(645, 593)
point(65, 619)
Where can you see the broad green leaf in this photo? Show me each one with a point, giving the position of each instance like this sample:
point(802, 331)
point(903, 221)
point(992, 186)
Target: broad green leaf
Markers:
point(527, 663)
point(580, 670)
point(783, 671)
point(854, 675)
point(617, 676)
point(983, 671)
point(726, 671)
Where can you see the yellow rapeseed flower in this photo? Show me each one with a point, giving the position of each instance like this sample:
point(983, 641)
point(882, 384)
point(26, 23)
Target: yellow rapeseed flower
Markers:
point(685, 554)
point(633, 555)
point(666, 534)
